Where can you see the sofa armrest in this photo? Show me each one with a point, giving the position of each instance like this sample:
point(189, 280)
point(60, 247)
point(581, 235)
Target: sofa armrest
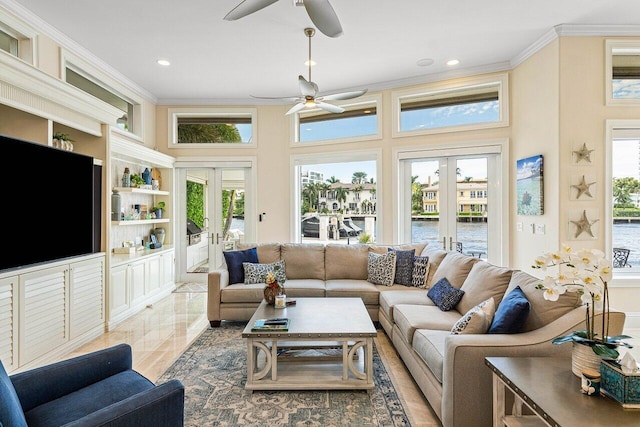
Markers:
point(161, 406)
point(467, 382)
point(47, 383)
point(216, 281)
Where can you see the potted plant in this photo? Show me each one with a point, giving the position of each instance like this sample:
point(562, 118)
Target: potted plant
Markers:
point(158, 209)
point(136, 180)
point(586, 272)
point(63, 141)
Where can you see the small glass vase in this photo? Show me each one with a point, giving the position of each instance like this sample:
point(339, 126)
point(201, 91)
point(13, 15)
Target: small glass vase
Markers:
point(270, 294)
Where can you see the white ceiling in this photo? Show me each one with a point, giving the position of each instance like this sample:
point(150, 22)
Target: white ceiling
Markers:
point(263, 53)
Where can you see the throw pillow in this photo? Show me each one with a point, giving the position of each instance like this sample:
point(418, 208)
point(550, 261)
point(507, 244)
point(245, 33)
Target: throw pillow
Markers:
point(381, 269)
point(511, 314)
point(404, 266)
point(234, 260)
point(477, 320)
point(256, 273)
point(444, 295)
point(420, 271)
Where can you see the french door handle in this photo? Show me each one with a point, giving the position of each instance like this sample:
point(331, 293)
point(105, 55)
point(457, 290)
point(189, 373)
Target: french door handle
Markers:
point(444, 243)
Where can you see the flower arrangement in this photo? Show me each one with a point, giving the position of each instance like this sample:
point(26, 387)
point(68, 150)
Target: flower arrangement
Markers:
point(586, 272)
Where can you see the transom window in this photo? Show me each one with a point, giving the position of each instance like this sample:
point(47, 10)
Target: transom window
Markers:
point(8, 43)
point(476, 104)
point(16, 37)
point(219, 127)
point(623, 72)
point(359, 121)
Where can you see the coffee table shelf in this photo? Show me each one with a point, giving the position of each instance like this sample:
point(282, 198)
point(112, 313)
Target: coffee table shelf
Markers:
point(316, 324)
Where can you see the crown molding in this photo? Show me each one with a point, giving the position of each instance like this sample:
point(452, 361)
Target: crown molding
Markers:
point(66, 43)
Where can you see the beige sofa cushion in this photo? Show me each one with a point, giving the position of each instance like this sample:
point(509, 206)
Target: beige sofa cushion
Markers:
point(390, 297)
point(409, 317)
point(436, 255)
point(381, 249)
point(542, 312)
point(455, 267)
point(430, 345)
point(346, 261)
point(304, 288)
point(267, 252)
point(349, 288)
point(303, 260)
point(484, 281)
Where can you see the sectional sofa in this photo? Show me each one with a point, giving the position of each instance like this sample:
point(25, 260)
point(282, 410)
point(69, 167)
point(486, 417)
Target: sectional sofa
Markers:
point(447, 366)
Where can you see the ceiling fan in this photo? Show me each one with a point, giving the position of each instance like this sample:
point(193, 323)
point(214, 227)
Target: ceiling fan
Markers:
point(309, 90)
point(320, 11)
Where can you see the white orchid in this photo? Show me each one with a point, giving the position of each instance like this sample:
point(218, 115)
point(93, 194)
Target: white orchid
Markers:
point(587, 273)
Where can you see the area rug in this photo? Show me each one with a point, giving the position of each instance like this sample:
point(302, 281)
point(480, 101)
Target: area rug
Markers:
point(213, 371)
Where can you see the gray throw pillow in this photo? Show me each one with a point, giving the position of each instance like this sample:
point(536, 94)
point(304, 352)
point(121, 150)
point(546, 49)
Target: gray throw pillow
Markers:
point(256, 273)
point(404, 266)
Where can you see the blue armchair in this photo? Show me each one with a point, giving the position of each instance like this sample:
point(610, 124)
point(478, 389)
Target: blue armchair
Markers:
point(95, 389)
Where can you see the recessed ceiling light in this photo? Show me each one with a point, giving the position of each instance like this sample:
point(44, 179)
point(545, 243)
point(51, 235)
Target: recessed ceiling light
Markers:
point(163, 62)
point(452, 62)
point(424, 62)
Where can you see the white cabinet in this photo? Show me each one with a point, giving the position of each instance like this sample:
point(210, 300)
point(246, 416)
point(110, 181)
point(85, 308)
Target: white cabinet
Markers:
point(9, 322)
point(49, 310)
point(139, 280)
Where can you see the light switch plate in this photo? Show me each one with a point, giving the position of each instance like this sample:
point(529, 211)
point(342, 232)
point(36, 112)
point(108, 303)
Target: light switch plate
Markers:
point(518, 226)
point(540, 229)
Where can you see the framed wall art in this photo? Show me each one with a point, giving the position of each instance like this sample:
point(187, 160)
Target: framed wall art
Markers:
point(529, 186)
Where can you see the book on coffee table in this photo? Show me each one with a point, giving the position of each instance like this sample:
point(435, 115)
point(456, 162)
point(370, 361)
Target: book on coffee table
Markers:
point(274, 324)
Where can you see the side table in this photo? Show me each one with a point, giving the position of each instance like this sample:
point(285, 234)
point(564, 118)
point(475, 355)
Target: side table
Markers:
point(551, 391)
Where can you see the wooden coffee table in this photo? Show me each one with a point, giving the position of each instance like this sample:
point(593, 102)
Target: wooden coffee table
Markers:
point(317, 325)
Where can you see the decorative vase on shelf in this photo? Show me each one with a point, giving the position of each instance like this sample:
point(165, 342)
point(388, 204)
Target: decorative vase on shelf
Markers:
point(146, 175)
point(583, 357)
point(160, 234)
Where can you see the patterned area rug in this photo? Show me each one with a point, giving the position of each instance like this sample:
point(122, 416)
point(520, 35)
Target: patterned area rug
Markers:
point(213, 370)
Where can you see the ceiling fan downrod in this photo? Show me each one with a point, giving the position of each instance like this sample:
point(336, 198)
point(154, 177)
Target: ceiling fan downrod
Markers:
point(309, 32)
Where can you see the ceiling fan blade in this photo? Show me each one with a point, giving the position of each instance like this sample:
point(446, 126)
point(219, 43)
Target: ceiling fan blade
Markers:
point(247, 7)
point(283, 98)
point(344, 95)
point(324, 17)
point(299, 106)
point(329, 107)
point(307, 88)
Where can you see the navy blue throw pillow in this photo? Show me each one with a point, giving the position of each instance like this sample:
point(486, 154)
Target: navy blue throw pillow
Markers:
point(234, 260)
point(404, 266)
point(511, 314)
point(444, 295)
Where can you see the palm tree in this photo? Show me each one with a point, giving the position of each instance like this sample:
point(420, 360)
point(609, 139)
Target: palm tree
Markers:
point(208, 133)
point(341, 196)
point(359, 178)
point(416, 195)
point(332, 180)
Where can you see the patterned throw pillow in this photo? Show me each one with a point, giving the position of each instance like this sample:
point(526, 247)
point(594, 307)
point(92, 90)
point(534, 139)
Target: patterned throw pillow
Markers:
point(256, 273)
point(444, 295)
point(420, 271)
point(404, 266)
point(477, 320)
point(381, 269)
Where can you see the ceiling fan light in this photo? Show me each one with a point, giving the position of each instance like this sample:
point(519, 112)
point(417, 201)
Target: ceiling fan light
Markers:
point(310, 103)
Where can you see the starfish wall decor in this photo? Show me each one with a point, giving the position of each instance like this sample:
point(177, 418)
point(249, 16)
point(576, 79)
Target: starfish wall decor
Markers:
point(583, 225)
point(583, 154)
point(583, 187)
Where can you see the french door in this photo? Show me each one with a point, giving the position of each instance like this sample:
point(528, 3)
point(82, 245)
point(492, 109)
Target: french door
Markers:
point(214, 212)
point(454, 199)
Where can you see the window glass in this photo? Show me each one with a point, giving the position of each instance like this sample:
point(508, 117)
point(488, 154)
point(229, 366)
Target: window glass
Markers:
point(85, 84)
point(317, 126)
point(8, 43)
point(338, 202)
point(626, 203)
point(452, 108)
point(216, 127)
point(625, 75)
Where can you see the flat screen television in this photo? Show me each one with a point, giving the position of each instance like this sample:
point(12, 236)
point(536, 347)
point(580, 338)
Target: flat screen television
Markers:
point(49, 210)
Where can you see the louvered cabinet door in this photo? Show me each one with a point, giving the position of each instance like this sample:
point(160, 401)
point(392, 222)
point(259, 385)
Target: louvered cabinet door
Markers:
point(86, 296)
point(9, 322)
point(43, 312)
